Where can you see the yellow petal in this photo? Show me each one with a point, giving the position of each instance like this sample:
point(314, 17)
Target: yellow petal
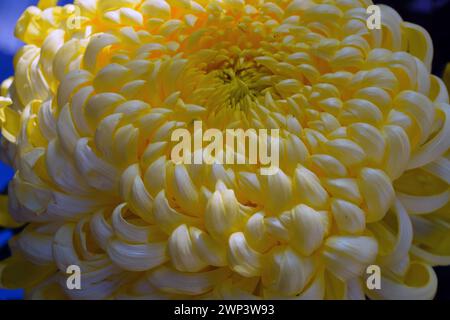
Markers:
point(16, 272)
point(5, 219)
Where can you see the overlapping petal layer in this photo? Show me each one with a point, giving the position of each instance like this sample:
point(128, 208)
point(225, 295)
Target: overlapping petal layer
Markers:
point(364, 138)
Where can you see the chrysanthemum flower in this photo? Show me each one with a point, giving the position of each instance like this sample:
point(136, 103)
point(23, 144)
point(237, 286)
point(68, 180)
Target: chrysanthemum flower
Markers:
point(364, 139)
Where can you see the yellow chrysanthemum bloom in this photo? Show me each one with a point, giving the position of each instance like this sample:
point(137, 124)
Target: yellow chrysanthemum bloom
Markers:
point(364, 164)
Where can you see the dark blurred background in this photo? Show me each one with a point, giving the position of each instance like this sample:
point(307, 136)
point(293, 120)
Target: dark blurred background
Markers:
point(433, 15)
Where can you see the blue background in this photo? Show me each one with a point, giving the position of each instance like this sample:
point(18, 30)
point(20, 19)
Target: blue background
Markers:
point(433, 15)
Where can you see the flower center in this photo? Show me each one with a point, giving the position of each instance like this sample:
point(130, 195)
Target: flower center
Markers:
point(240, 93)
point(235, 87)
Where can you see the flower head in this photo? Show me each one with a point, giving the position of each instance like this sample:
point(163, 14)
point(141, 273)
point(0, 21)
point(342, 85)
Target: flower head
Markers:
point(364, 136)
